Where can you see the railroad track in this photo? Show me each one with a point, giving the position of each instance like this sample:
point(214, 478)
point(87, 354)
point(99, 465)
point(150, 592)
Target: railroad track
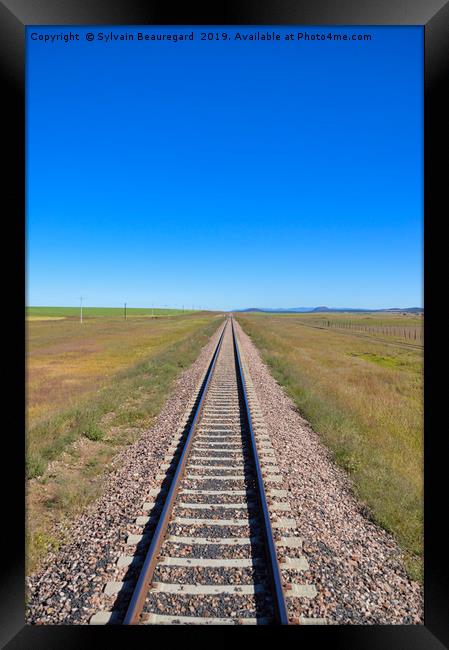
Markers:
point(219, 545)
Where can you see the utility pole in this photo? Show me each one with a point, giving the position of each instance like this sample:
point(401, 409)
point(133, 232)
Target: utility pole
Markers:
point(81, 309)
point(125, 310)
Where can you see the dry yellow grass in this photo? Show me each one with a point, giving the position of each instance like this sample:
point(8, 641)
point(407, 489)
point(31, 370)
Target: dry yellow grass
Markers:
point(365, 398)
point(67, 360)
point(91, 389)
point(34, 318)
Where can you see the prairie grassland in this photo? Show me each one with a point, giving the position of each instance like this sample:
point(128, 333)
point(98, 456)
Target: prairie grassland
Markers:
point(66, 359)
point(91, 389)
point(398, 327)
point(364, 396)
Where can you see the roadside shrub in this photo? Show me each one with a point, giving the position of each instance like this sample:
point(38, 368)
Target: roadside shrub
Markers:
point(34, 466)
point(93, 432)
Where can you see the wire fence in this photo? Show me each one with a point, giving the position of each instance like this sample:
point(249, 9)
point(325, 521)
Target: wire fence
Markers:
point(409, 333)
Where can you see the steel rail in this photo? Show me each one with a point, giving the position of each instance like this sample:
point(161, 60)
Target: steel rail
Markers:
point(280, 606)
point(146, 574)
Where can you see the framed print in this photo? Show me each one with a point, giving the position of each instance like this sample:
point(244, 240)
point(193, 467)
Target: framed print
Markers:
point(199, 452)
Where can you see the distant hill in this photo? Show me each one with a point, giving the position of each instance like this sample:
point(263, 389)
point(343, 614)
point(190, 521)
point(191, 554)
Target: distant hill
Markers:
point(276, 310)
point(413, 310)
point(292, 310)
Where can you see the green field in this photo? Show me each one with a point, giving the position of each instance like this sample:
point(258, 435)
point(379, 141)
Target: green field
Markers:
point(101, 382)
point(94, 312)
point(359, 382)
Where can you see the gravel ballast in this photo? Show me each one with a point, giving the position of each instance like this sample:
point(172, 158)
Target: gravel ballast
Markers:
point(356, 566)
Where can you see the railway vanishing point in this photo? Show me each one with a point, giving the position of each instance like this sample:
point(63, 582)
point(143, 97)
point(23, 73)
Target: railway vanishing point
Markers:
point(216, 535)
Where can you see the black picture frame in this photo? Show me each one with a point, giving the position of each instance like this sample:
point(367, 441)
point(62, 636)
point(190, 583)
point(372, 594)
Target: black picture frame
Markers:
point(15, 15)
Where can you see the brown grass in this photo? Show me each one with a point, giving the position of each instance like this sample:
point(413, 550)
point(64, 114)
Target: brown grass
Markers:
point(364, 396)
point(67, 360)
point(93, 388)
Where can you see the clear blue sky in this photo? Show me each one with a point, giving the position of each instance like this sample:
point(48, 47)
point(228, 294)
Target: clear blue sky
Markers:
point(225, 174)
